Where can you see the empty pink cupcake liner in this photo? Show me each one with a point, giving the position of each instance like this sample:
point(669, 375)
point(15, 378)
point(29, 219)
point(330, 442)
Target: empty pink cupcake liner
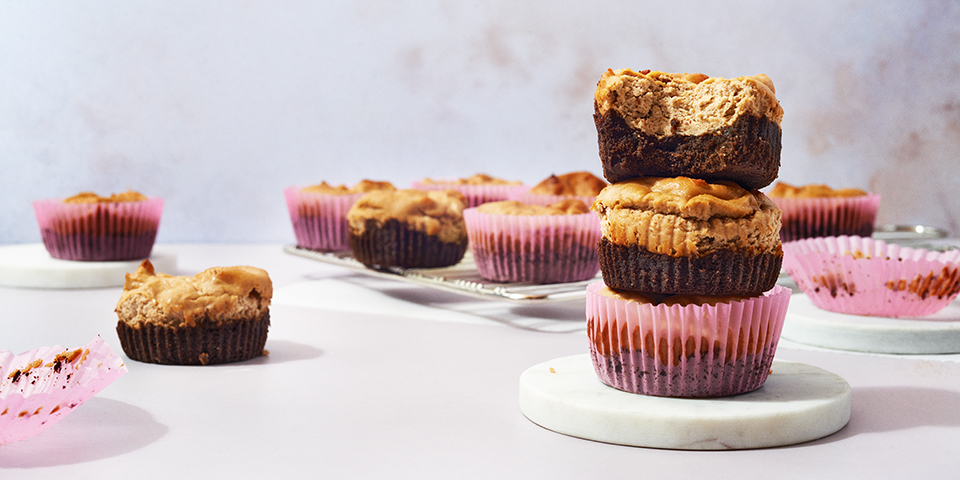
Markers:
point(99, 231)
point(40, 387)
point(476, 194)
point(534, 248)
point(827, 217)
point(689, 351)
point(863, 276)
point(320, 220)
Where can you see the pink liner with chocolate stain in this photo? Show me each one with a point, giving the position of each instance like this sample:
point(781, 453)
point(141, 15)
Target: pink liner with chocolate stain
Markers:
point(39, 387)
point(827, 216)
point(862, 276)
point(320, 219)
point(534, 248)
point(684, 351)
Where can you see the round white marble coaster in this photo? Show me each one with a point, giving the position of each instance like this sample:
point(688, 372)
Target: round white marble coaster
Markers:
point(30, 266)
point(933, 334)
point(797, 403)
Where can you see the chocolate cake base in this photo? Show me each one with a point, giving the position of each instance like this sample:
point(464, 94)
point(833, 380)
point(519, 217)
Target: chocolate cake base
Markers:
point(394, 244)
point(205, 344)
point(722, 273)
point(747, 152)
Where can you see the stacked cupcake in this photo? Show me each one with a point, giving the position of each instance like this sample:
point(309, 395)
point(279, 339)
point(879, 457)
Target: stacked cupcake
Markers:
point(690, 249)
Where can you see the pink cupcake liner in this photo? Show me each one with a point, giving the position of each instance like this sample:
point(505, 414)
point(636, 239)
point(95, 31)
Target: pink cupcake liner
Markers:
point(893, 281)
point(827, 217)
point(476, 194)
point(99, 231)
point(320, 220)
point(544, 200)
point(689, 351)
point(40, 387)
point(534, 248)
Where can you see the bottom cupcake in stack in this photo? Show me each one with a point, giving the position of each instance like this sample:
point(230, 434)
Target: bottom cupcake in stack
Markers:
point(689, 305)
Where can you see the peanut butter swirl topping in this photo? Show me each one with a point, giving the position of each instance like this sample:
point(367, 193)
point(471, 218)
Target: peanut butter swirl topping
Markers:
point(683, 196)
point(90, 197)
point(438, 212)
point(220, 294)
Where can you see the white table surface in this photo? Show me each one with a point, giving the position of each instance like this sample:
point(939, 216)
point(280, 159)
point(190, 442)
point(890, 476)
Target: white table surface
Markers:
point(370, 378)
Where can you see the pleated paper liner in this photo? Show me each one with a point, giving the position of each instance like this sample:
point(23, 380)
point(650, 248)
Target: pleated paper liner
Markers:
point(40, 387)
point(534, 248)
point(684, 351)
point(827, 217)
point(98, 231)
point(207, 343)
point(319, 219)
point(862, 276)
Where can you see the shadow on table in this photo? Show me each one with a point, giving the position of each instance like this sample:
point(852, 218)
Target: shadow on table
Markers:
point(884, 409)
point(282, 351)
point(100, 428)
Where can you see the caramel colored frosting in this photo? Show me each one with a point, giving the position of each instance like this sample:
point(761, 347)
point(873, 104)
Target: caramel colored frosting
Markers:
point(478, 179)
point(220, 294)
point(684, 216)
point(90, 197)
point(512, 207)
point(362, 187)
point(785, 190)
point(581, 184)
point(438, 212)
point(661, 104)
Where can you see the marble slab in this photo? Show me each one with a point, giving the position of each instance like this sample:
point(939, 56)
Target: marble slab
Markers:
point(933, 334)
point(798, 403)
point(30, 266)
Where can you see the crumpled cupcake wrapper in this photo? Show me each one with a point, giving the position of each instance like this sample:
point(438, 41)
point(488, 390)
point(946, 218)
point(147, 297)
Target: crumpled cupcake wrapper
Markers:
point(476, 194)
point(827, 217)
point(895, 282)
point(320, 220)
point(40, 387)
point(98, 231)
point(689, 351)
point(534, 248)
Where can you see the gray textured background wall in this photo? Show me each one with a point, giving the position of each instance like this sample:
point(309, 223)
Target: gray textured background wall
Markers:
point(219, 105)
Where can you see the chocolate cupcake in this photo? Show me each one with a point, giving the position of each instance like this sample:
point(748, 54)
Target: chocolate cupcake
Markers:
point(319, 212)
point(668, 124)
point(408, 228)
point(516, 242)
point(686, 236)
point(88, 227)
point(820, 211)
point(221, 315)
